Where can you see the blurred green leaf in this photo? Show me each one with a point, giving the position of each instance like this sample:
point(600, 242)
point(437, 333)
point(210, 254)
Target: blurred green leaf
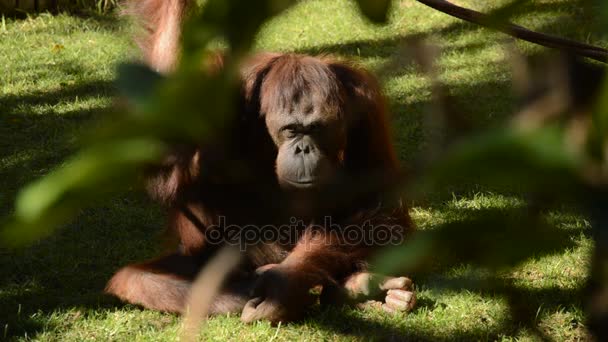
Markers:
point(98, 165)
point(171, 109)
point(218, 18)
point(598, 140)
point(492, 239)
point(137, 83)
point(93, 173)
point(537, 160)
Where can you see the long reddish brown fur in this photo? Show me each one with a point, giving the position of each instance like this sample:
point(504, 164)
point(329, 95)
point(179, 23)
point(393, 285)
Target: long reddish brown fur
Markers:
point(161, 22)
point(196, 202)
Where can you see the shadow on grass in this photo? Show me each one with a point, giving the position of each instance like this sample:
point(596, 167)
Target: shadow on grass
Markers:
point(386, 330)
point(348, 322)
point(567, 17)
point(34, 142)
point(108, 22)
point(68, 270)
point(380, 47)
point(28, 129)
point(13, 104)
point(567, 25)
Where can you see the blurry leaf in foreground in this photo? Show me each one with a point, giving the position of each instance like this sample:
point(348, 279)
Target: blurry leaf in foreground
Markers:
point(597, 283)
point(186, 107)
point(536, 160)
point(491, 238)
point(94, 172)
point(598, 142)
point(236, 21)
point(137, 82)
point(375, 10)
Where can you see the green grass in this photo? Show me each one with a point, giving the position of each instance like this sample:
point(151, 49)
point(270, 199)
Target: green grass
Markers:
point(56, 76)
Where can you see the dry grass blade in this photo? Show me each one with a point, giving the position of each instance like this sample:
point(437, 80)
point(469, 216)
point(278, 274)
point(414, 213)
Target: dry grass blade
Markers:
point(204, 289)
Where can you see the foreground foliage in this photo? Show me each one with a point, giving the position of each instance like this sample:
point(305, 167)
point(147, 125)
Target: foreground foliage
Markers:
point(51, 290)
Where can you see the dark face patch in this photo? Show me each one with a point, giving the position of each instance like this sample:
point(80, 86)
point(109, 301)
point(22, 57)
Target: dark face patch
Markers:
point(301, 103)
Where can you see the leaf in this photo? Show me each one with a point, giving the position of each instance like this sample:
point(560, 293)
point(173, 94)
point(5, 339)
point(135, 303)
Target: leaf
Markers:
point(92, 174)
point(137, 82)
point(92, 167)
point(493, 238)
point(535, 160)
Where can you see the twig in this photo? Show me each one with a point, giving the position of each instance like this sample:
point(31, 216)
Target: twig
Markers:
point(482, 19)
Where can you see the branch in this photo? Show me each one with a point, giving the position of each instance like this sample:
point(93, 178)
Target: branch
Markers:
point(485, 20)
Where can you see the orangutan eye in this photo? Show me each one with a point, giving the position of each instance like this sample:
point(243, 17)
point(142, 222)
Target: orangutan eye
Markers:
point(289, 128)
point(315, 127)
point(291, 131)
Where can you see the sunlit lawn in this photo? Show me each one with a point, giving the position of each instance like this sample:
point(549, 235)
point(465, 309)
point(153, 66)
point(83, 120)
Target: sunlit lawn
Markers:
point(56, 76)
